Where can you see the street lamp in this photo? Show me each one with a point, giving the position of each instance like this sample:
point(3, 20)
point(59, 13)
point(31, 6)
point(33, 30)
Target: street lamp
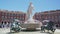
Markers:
point(49, 15)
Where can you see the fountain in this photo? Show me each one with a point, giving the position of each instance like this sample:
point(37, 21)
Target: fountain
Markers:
point(30, 23)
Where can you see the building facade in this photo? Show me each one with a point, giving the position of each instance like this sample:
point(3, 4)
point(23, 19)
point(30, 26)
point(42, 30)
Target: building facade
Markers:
point(8, 16)
point(53, 15)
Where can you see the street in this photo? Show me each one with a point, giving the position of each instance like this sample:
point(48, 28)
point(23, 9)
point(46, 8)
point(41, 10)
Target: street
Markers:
point(7, 31)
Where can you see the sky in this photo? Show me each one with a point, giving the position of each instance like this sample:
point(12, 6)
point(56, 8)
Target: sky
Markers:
point(22, 5)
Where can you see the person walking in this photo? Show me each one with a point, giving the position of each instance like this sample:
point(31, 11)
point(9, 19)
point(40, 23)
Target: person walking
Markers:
point(2, 25)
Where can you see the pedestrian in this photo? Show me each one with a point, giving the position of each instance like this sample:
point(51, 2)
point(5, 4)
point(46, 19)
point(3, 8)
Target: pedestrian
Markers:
point(7, 24)
point(2, 25)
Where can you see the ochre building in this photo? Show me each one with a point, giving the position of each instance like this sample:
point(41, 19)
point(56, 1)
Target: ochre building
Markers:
point(8, 16)
point(53, 15)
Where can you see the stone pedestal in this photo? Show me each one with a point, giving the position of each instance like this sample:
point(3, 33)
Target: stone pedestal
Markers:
point(57, 31)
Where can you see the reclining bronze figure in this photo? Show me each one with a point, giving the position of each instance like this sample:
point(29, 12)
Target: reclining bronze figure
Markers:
point(48, 26)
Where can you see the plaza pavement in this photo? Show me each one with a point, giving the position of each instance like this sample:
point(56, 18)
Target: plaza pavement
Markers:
point(7, 31)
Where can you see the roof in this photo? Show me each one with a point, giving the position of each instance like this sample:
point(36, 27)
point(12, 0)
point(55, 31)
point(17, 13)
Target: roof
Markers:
point(7, 11)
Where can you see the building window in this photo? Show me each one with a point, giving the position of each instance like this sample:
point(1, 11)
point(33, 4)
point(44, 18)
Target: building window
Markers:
point(14, 14)
point(6, 17)
point(3, 17)
point(11, 17)
point(8, 14)
point(11, 14)
point(2, 14)
point(18, 14)
point(20, 18)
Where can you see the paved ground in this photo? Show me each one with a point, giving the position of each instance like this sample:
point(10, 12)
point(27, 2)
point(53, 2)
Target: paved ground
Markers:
point(7, 31)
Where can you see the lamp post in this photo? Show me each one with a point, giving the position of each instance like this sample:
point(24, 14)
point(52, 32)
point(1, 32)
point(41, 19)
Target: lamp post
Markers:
point(49, 15)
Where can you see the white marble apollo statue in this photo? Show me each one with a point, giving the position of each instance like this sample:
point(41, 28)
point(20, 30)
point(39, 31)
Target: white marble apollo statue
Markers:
point(29, 11)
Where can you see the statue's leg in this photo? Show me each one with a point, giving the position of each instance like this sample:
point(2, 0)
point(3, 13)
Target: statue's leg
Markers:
point(42, 28)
